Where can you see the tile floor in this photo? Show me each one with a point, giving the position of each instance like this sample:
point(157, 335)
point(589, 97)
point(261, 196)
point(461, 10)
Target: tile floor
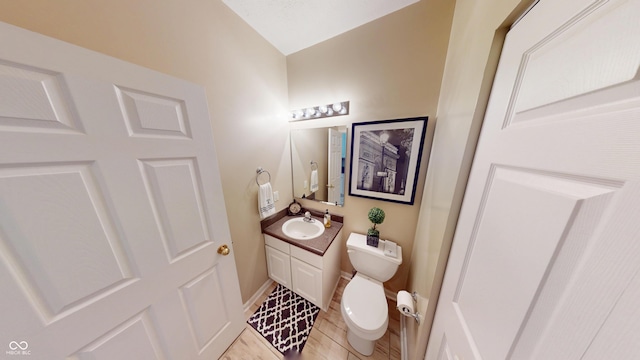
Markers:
point(328, 339)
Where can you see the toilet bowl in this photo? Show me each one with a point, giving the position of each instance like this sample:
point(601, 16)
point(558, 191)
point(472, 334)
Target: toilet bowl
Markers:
point(364, 310)
point(364, 304)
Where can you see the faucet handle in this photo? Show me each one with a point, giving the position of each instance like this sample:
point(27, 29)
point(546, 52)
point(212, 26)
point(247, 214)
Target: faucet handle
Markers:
point(307, 214)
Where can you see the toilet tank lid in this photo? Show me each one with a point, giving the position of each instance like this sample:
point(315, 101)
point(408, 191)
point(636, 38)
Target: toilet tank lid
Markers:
point(359, 241)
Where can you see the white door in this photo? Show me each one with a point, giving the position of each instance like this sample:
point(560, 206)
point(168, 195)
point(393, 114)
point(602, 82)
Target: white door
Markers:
point(111, 210)
point(335, 165)
point(546, 255)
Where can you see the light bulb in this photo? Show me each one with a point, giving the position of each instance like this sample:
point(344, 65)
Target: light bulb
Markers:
point(337, 106)
point(299, 114)
point(310, 111)
point(322, 109)
point(329, 112)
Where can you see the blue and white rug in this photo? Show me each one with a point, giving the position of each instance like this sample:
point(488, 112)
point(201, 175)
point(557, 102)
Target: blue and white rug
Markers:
point(285, 319)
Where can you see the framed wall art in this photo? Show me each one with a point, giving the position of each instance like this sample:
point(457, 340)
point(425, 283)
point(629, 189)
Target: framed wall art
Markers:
point(385, 158)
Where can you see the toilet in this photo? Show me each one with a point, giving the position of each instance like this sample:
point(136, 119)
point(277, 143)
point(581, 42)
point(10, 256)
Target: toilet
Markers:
point(364, 304)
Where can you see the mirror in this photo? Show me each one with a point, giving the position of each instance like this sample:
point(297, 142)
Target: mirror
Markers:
point(318, 159)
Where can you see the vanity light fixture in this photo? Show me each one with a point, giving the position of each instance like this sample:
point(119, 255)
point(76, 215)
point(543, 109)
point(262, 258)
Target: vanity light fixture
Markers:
point(321, 111)
point(310, 112)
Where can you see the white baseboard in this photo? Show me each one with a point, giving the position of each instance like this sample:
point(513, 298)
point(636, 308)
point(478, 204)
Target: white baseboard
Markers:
point(346, 275)
point(391, 295)
point(255, 296)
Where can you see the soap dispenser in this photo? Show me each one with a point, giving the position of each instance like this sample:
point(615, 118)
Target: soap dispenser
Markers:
point(327, 219)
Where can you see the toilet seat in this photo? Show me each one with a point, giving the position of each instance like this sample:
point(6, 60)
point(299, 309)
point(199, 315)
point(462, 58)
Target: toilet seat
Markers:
point(364, 307)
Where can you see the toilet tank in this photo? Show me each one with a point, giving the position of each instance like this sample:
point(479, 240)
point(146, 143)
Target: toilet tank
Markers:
point(372, 261)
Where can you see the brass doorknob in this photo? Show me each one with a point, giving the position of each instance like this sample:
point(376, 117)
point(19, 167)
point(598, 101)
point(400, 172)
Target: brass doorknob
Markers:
point(224, 250)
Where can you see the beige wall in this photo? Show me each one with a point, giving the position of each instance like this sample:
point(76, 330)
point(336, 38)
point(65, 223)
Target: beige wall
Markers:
point(388, 69)
point(204, 42)
point(476, 39)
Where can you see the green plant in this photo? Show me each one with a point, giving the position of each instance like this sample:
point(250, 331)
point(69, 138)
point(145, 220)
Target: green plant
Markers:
point(376, 216)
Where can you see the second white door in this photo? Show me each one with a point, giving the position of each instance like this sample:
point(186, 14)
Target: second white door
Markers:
point(544, 263)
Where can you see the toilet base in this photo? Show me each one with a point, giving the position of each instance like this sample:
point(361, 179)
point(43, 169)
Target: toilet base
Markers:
point(364, 347)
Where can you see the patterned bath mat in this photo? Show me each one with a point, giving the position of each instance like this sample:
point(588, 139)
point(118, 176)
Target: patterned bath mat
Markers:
point(285, 319)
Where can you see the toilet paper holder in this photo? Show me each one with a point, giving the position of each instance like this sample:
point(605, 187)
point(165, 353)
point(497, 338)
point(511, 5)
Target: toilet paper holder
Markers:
point(414, 314)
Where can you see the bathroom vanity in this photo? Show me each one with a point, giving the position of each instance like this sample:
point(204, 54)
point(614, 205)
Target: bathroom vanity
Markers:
point(310, 268)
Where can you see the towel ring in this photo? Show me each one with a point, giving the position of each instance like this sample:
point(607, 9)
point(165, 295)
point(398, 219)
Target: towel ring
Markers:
point(260, 171)
point(314, 163)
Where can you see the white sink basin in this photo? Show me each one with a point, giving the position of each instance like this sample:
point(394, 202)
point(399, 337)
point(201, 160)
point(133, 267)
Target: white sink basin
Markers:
point(299, 229)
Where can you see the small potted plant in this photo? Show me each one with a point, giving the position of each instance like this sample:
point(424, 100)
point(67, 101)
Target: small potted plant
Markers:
point(376, 216)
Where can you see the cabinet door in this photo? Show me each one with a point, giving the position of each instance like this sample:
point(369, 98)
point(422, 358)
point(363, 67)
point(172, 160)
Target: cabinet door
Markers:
point(307, 281)
point(278, 266)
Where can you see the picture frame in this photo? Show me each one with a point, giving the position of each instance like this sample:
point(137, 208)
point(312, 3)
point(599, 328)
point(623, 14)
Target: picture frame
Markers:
point(385, 158)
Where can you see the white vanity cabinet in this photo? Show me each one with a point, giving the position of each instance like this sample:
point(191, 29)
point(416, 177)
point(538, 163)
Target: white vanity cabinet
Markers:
point(309, 275)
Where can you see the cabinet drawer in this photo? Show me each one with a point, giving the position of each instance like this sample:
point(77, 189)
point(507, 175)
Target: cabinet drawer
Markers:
point(307, 256)
point(276, 243)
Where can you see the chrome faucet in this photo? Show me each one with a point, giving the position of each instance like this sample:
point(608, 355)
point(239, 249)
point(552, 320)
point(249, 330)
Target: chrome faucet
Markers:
point(307, 217)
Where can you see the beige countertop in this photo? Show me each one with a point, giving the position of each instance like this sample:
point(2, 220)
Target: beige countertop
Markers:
point(317, 245)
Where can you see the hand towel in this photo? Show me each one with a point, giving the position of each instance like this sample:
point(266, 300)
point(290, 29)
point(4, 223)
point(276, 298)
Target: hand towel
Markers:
point(266, 206)
point(314, 181)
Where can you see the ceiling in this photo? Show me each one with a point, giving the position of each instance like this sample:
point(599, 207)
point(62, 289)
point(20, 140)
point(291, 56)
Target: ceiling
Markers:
point(292, 25)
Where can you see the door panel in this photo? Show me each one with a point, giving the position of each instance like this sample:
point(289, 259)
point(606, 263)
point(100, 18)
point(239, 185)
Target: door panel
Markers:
point(546, 243)
point(524, 220)
point(579, 57)
point(174, 190)
point(136, 334)
point(609, 344)
point(153, 115)
point(201, 294)
point(69, 205)
point(112, 209)
point(35, 100)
